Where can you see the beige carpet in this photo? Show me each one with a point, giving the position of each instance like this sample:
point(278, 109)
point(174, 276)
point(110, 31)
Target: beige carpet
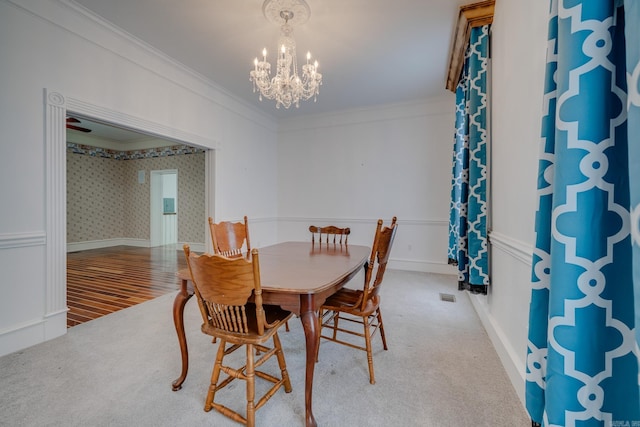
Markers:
point(440, 370)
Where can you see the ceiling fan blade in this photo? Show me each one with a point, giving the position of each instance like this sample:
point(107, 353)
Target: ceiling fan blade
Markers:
point(81, 129)
point(72, 120)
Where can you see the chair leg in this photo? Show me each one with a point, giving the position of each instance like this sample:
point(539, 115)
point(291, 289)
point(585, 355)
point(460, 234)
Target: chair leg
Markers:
point(367, 340)
point(320, 313)
point(215, 375)
point(282, 363)
point(251, 387)
point(381, 327)
point(336, 317)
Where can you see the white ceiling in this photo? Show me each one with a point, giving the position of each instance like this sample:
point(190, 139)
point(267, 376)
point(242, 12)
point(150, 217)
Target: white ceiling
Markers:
point(103, 134)
point(370, 51)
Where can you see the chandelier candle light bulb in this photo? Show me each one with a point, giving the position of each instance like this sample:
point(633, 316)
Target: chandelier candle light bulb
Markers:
point(286, 87)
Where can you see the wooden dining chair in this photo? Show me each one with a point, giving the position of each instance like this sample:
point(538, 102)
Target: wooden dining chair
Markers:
point(223, 287)
point(228, 238)
point(330, 233)
point(360, 306)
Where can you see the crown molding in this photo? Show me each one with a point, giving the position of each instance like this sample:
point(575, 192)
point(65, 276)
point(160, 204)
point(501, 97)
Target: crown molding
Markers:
point(433, 106)
point(470, 16)
point(83, 23)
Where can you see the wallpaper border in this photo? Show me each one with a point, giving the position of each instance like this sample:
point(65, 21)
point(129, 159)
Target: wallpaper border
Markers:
point(173, 150)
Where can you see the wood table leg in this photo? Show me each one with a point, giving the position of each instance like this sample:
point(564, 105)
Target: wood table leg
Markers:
point(309, 318)
point(178, 319)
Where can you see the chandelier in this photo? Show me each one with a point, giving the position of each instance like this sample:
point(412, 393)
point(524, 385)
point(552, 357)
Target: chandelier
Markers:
point(287, 87)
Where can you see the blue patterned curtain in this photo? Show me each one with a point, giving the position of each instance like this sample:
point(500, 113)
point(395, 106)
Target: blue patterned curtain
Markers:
point(632, 37)
point(468, 214)
point(582, 355)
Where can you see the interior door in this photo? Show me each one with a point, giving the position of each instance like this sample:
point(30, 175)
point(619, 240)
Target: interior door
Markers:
point(164, 208)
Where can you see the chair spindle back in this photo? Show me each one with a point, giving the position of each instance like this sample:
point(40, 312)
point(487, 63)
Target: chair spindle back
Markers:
point(223, 286)
point(228, 238)
point(336, 234)
point(382, 242)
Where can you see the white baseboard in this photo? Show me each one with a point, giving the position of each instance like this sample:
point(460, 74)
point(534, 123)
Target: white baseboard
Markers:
point(422, 266)
point(107, 243)
point(508, 356)
point(141, 243)
point(22, 336)
point(196, 247)
point(33, 332)
point(396, 264)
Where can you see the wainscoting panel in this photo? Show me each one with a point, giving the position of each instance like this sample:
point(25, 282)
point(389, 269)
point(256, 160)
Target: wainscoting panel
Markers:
point(22, 324)
point(501, 317)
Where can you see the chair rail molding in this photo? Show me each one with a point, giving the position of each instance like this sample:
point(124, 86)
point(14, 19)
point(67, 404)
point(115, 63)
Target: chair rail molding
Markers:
point(516, 248)
point(22, 240)
point(436, 222)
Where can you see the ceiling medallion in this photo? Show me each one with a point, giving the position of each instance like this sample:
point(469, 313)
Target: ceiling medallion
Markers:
point(287, 87)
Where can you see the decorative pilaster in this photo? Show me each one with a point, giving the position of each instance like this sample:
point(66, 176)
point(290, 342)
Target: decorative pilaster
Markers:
point(56, 201)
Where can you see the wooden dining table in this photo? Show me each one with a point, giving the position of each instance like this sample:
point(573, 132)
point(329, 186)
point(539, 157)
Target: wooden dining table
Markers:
point(297, 276)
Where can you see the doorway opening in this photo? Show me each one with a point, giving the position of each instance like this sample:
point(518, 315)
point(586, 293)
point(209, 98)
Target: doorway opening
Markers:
point(112, 262)
point(122, 217)
point(57, 107)
point(164, 212)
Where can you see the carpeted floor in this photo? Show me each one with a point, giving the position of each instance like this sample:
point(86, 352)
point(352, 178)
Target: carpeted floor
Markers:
point(440, 370)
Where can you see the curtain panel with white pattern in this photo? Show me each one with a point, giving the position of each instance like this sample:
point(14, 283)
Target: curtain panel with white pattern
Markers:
point(468, 246)
point(582, 352)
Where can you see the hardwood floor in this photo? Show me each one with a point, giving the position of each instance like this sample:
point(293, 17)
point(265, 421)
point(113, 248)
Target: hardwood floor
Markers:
point(102, 281)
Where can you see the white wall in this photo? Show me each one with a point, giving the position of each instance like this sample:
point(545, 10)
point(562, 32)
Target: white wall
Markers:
point(47, 44)
point(518, 51)
point(283, 178)
point(351, 168)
